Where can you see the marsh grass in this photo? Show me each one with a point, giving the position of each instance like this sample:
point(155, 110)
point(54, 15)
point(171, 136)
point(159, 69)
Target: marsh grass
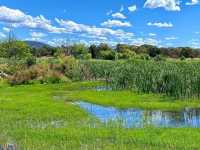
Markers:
point(176, 79)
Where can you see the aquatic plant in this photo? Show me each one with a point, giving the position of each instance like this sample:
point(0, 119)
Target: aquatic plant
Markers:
point(177, 79)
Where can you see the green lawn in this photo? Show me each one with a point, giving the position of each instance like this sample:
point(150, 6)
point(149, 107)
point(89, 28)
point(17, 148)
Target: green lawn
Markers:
point(41, 117)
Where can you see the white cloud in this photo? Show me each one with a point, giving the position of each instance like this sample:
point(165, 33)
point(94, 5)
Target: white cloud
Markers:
point(160, 24)
point(17, 18)
point(194, 43)
point(71, 26)
point(119, 15)
point(116, 23)
point(193, 2)
point(2, 35)
point(37, 34)
point(171, 38)
point(142, 41)
point(132, 8)
point(5, 29)
point(11, 15)
point(152, 34)
point(169, 5)
point(122, 8)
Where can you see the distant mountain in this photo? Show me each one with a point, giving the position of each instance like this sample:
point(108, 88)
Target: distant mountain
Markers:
point(36, 44)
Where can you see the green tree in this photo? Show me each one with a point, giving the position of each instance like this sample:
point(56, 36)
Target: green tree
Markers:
point(93, 49)
point(15, 49)
point(79, 51)
point(127, 54)
point(122, 47)
point(186, 52)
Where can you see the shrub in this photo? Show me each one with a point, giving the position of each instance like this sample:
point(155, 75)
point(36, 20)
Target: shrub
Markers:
point(70, 67)
point(26, 75)
point(53, 77)
point(159, 58)
point(30, 61)
point(127, 54)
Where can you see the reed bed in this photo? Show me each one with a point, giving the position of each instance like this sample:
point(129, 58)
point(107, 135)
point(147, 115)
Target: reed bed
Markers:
point(177, 79)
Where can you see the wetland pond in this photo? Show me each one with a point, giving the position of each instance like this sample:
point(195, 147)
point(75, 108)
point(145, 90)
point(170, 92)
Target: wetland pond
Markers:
point(139, 118)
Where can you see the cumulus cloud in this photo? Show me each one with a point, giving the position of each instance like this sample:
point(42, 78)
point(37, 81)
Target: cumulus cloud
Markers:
point(119, 15)
point(193, 2)
point(17, 18)
point(132, 8)
point(11, 15)
point(74, 27)
point(160, 24)
point(169, 5)
point(116, 23)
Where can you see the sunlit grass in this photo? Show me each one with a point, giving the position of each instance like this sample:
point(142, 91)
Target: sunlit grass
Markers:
point(34, 119)
point(127, 99)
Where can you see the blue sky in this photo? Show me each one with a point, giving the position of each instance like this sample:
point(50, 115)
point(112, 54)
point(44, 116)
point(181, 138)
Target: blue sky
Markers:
point(158, 22)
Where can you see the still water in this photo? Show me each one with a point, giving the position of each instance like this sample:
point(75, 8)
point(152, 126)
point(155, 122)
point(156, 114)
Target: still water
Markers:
point(138, 118)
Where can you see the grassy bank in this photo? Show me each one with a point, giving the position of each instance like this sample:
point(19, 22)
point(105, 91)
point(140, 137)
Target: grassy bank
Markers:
point(127, 99)
point(37, 117)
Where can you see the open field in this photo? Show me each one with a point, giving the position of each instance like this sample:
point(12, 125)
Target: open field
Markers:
point(35, 117)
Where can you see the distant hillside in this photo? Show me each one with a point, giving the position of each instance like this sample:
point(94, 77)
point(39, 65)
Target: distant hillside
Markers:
point(36, 44)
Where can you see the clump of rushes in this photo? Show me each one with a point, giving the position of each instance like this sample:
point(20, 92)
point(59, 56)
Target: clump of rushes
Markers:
point(177, 79)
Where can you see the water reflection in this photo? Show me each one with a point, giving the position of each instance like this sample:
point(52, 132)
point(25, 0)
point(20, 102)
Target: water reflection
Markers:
point(139, 118)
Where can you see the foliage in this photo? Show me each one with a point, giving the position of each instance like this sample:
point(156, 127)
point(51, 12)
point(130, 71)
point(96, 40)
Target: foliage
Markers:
point(44, 51)
point(25, 76)
point(107, 55)
point(30, 61)
point(41, 73)
point(14, 49)
point(79, 51)
point(53, 77)
point(94, 51)
point(126, 54)
point(70, 67)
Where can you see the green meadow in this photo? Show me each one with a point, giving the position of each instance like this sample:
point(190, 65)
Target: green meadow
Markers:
point(38, 117)
point(43, 90)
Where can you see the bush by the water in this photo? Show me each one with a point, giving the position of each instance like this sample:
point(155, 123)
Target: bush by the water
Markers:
point(41, 73)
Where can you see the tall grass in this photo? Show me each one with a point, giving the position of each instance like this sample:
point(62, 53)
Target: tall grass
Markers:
point(177, 79)
point(100, 69)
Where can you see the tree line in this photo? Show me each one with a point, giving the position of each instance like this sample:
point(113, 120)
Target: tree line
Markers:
point(19, 49)
point(120, 51)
